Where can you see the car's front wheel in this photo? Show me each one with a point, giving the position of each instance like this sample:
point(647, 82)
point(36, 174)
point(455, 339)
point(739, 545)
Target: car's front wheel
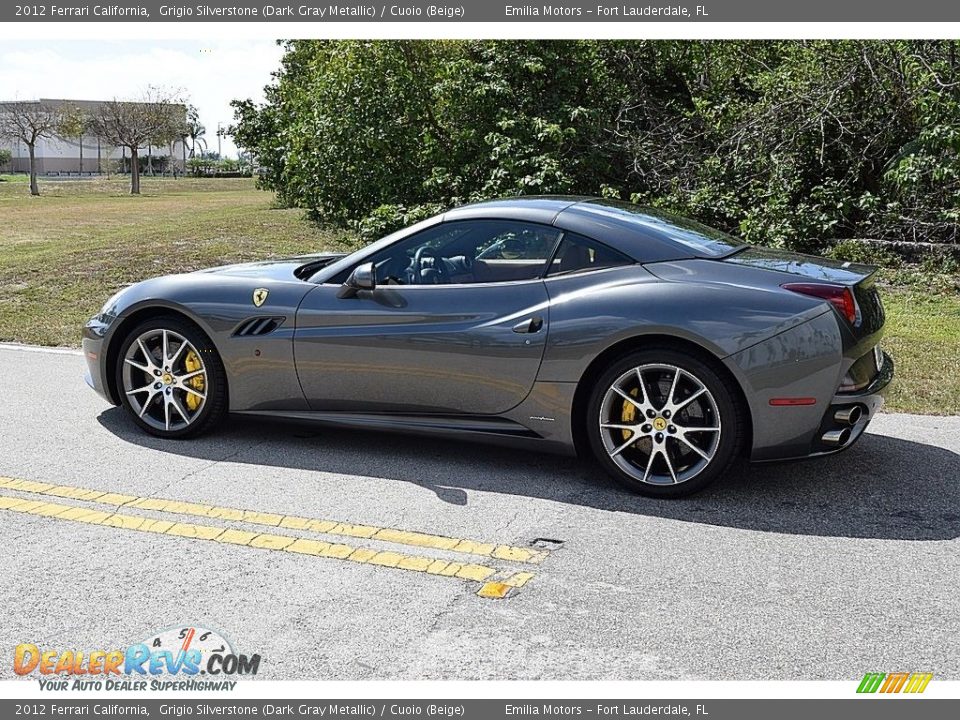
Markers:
point(664, 423)
point(171, 379)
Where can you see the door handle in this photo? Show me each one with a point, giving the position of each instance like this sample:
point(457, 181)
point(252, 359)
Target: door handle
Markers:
point(530, 325)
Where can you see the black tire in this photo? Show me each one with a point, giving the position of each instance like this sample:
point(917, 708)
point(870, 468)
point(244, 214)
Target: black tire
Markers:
point(732, 420)
point(214, 407)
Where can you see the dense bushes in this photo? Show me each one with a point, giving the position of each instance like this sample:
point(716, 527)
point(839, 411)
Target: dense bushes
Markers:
point(784, 142)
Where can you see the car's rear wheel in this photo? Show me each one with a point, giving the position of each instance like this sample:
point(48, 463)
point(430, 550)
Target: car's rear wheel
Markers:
point(664, 423)
point(171, 379)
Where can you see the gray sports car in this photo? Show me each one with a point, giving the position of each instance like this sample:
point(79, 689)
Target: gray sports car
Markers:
point(663, 347)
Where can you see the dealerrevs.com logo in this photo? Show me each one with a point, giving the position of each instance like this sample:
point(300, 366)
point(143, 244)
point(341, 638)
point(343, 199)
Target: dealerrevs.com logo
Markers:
point(898, 682)
point(179, 658)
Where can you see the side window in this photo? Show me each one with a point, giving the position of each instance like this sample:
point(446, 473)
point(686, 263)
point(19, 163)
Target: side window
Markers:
point(518, 242)
point(468, 251)
point(580, 254)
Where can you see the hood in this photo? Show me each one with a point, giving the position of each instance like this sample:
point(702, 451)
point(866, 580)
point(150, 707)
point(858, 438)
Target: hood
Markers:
point(291, 268)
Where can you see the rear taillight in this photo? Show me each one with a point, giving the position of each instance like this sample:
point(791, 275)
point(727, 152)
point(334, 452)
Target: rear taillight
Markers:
point(840, 296)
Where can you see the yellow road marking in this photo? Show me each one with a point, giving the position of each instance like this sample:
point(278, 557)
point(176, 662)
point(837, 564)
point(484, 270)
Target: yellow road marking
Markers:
point(495, 590)
point(499, 589)
point(266, 541)
point(292, 522)
point(518, 580)
point(237, 537)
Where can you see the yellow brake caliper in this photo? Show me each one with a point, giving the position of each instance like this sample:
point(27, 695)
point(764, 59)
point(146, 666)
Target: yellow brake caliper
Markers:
point(191, 364)
point(628, 414)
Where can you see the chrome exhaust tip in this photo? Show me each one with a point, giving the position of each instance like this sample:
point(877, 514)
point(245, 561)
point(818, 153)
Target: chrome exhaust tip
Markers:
point(848, 415)
point(836, 438)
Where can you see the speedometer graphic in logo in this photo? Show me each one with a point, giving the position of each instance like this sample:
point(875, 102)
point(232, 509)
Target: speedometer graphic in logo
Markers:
point(182, 639)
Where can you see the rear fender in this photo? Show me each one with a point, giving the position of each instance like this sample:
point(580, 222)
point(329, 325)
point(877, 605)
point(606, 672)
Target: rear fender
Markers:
point(592, 312)
point(803, 362)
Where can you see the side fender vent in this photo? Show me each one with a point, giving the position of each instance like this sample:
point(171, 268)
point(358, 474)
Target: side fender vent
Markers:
point(257, 326)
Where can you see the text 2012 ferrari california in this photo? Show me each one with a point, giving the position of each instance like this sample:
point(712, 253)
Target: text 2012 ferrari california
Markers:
point(664, 348)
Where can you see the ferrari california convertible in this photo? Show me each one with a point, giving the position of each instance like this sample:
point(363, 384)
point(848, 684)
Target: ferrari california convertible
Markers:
point(663, 348)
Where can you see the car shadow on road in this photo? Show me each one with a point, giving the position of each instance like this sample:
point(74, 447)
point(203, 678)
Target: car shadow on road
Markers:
point(883, 488)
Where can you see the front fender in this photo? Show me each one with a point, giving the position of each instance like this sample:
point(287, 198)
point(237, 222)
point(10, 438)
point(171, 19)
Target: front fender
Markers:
point(260, 369)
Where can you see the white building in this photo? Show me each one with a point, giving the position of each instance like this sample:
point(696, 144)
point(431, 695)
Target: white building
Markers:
point(88, 155)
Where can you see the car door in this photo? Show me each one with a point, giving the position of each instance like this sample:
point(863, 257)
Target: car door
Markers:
point(467, 345)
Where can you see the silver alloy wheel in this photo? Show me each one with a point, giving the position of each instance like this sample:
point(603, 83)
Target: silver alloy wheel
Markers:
point(660, 424)
point(159, 385)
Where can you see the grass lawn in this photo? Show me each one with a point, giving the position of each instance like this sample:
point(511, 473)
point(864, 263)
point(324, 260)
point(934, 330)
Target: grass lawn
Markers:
point(923, 337)
point(62, 254)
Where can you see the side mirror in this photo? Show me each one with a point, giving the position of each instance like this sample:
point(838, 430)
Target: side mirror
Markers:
point(363, 277)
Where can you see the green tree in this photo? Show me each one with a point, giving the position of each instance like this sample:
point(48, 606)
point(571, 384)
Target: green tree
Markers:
point(156, 119)
point(74, 123)
point(352, 125)
point(195, 131)
point(29, 122)
point(794, 143)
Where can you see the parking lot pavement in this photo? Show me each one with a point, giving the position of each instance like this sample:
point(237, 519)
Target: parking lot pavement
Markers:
point(357, 555)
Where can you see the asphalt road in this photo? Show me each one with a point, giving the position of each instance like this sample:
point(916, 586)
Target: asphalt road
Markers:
point(818, 570)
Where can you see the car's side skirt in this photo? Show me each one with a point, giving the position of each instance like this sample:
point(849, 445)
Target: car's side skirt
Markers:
point(487, 429)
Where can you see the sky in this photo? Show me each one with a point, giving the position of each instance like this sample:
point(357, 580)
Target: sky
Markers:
point(210, 73)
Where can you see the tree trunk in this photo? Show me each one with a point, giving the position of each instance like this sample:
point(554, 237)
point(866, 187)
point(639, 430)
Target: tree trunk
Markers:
point(81, 156)
point(32, 149)
point(134, 172)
